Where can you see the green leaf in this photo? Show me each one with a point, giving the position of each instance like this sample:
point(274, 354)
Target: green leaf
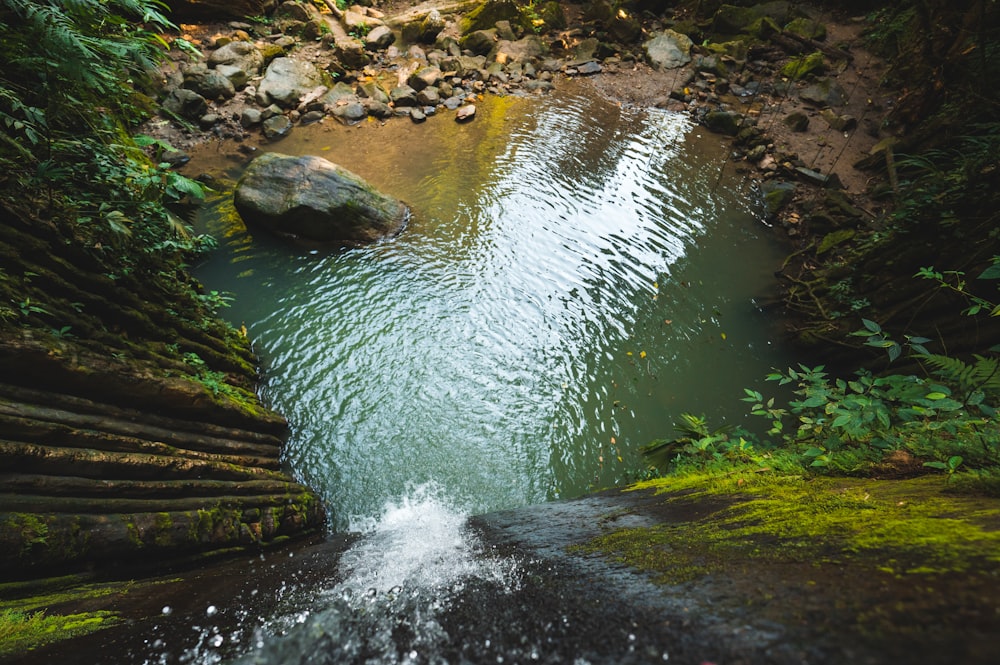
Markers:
point(935, 396)
point(814, 401)
point(993, 272)
point(871, 325)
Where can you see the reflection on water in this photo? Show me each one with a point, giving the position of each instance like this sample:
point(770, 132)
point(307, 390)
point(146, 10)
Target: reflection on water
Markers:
point(574, 276)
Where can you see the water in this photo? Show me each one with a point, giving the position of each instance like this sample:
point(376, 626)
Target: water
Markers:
point(574, 277)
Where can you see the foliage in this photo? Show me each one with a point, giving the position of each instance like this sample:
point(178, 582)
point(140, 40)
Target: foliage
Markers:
point(947, 418)
point(68, 88)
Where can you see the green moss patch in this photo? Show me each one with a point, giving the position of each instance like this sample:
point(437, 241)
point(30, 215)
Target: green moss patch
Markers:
point(23, 631)
point(898, 527)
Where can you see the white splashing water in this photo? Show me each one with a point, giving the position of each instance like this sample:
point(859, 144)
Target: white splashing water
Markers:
point(419, 544)
point(396, 578)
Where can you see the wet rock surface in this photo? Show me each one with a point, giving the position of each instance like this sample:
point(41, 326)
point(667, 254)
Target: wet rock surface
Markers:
point(313, 199)
point(526, 585)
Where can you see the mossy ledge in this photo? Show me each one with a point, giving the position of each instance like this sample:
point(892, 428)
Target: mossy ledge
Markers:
point(895, 527)
point(908, 565)
point(116, 447)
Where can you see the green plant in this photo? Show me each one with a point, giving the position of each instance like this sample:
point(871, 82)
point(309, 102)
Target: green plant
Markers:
point(697, 443)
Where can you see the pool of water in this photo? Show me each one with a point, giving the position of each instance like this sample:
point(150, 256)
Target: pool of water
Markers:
point(575, 275)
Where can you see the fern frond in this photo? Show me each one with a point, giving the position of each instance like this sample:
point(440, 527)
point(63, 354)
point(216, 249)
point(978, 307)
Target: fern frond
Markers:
point(983, 375)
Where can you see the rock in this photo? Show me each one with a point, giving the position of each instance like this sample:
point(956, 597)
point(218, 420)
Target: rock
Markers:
point(250, 117)
point(824, 92)
point(185, 103)
point(668, 50)
point(587, 69)
point(807, 29)
point(817, 178)
point(423, 77)
point(350, 113)
point(403, 95)
point(209, 83)
point(208, 120)
point(270, 111)
point(429, 96)
point(724, 122)
point(358, 22)
point(803, 66)
point(430, 27)
point(351, 52)
point(175, 158)
point(480, 42)
point(486, 15)
point(417, 115)
point(276, 127)
point(236, 76)
point(465, 113)
point(339, 93)
point(311, 117)
point(297, 11)
point(286, 80)
point(242, 55)
point(505, 31)
point(777, 195)
point(463, 64)
point(379, 38)
point(372, 90)
point(377, 109)
point(730, 19)
point(797, 122)
point(311, 198)
point(302, 19)
point(523, 50)
point(585, 49)
point(712, 64)
point(842, 123)
point(452, 103)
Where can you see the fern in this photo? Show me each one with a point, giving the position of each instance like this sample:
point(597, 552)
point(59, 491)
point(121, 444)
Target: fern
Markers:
point(983, 375)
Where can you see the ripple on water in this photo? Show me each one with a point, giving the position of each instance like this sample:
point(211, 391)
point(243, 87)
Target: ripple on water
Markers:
point(575, 275)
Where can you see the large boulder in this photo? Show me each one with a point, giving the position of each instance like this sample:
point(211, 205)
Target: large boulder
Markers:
point(313, 199)
point(286, 81)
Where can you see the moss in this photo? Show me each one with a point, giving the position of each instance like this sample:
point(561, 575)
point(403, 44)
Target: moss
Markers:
point(798, 68)
point(904, 527)
point(164, 525)
point(20, 632)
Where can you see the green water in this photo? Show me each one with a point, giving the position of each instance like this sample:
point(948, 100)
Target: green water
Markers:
point(575, 275)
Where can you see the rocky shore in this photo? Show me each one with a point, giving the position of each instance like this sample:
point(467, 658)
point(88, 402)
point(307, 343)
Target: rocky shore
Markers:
point(794, 88)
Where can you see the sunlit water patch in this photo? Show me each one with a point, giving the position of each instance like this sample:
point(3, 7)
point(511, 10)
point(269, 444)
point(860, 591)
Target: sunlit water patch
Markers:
point(575, 275)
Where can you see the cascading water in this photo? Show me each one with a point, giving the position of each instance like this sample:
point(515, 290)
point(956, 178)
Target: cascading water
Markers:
point(406, 567)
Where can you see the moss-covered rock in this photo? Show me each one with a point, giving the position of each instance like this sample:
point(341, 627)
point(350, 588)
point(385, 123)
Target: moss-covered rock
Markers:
point(806, 65)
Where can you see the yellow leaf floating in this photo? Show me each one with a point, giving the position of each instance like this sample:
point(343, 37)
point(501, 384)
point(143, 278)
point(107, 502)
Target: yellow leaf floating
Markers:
point(642, 354)
point(628, 353)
